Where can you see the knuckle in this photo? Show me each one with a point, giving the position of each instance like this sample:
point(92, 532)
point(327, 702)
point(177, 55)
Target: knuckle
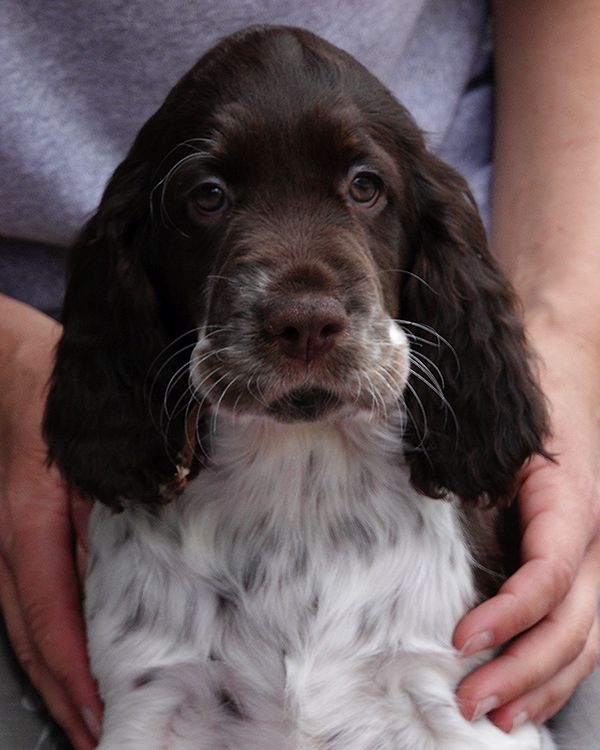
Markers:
point(590, 659)
point(45, 651)
point(555, 698)
point(579, 637)
point(563, 571)
point(595, 639)
point(594, 505)
point(36, 616)
point(40, 625)
point(27, 658)
point(526, 612)
point(526, 675)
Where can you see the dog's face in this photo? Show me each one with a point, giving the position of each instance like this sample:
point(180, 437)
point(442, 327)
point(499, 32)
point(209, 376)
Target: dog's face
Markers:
point(286, 213)
point(283, 207)
point(286, 217)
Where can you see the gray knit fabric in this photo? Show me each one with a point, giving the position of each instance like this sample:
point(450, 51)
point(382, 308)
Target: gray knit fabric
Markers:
point(79, 77)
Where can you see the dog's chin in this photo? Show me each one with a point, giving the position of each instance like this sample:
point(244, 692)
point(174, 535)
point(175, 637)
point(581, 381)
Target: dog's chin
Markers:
point(308, 404)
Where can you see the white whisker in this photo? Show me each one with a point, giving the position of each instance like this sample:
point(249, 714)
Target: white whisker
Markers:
point(427, 377)
point(412, 275)
point(433, 332)
point(423, 414)
point(419, 356)
point(217, 406)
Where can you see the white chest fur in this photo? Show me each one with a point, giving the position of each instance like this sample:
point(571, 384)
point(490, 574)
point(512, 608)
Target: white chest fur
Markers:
point(300, 594)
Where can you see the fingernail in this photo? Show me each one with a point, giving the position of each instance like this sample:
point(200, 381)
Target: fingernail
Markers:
point(91, 722)
point(520, 719)
point(484, 707)
point(477, 642)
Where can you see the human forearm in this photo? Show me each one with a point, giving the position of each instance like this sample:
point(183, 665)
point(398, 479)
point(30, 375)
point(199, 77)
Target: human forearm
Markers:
point(546, 203)
point(546, 214)
point(546, 234)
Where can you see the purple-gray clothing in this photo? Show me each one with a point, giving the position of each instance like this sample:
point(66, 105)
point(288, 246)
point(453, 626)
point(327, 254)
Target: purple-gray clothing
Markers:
point(78, 79)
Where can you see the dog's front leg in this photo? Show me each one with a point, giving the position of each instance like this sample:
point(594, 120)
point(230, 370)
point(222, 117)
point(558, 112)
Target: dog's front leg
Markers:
point(149, 621)
point(172, 707)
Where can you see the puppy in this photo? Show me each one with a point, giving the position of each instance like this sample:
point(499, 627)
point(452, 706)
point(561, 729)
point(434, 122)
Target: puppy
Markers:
point(293, 376)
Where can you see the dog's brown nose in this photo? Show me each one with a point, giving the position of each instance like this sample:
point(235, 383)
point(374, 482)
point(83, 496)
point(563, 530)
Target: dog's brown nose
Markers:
point(305, 327)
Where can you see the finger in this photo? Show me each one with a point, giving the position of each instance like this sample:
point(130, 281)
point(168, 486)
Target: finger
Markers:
point(541, 704)
point(54, 695)
point(49, 599)
point(525, 599)
point(533, 591)
point(537, 656)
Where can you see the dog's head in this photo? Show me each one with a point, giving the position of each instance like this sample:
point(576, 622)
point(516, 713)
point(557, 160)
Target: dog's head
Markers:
point(280, 233)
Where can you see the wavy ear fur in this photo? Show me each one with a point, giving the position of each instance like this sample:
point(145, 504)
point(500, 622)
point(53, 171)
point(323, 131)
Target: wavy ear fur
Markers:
point(492, 416)
point(101, 420)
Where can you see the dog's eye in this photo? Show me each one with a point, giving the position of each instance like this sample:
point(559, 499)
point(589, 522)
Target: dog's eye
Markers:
point(365, 189)
point(209, 199)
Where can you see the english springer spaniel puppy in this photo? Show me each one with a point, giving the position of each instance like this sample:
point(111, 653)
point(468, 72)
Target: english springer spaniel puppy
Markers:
point(294, 379)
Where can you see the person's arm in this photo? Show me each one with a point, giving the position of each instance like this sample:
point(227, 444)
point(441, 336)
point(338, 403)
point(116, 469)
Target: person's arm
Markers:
point(546, 233)
point(39, 589)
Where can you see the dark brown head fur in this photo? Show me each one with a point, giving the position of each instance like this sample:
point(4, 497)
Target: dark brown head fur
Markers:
point(284, 203)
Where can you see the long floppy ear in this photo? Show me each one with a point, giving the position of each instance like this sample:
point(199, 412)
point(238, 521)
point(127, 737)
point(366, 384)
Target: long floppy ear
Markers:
point(103, 418)
point(482, 413)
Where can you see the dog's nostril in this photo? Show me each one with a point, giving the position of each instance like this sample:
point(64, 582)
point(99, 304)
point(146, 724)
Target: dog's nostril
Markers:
point(331, 329)
point(290, 333)
point(304, 329)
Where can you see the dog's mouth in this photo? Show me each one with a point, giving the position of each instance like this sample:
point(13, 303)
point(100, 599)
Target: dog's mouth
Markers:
point(362, 379)
point(306, 404)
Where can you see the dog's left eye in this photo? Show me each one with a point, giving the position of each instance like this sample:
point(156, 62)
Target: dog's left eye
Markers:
point(365, 189)
point(209, 199)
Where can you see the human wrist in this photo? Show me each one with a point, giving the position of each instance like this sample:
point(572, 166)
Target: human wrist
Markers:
point(27, 342)
point(565, 354)
point(568, 364)
point(21, 321)
point(23, 331)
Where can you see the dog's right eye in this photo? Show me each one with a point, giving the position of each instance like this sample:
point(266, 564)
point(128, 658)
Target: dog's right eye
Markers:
point(209, 199)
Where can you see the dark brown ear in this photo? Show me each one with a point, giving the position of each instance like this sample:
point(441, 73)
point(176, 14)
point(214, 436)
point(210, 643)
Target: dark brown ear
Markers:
point(482, 413)
point(104, 420)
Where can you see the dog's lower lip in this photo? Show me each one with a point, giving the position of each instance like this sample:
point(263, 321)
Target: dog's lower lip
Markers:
point(307, 404)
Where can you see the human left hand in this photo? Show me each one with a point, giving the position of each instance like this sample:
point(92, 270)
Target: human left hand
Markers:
point(547, 611)
point(42, 542)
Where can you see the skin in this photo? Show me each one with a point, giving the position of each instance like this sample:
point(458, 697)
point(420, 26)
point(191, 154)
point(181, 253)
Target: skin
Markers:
point(546, 230)
point(546, 192)
point(40, 594)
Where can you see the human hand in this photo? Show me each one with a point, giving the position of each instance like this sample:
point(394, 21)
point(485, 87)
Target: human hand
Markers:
point(39, 585)
point(549, 606)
